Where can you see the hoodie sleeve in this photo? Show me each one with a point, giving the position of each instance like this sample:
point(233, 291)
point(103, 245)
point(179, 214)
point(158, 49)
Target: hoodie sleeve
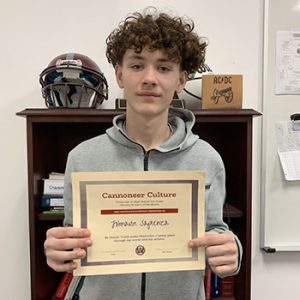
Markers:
point(214, 210)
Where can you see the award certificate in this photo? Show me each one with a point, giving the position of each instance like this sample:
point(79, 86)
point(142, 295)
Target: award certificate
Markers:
point(139, 221)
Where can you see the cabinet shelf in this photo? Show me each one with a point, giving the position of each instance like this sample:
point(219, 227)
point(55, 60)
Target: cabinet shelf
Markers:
point(223, 298)
point(52, 133)
point(229, 211)
point(50, 217)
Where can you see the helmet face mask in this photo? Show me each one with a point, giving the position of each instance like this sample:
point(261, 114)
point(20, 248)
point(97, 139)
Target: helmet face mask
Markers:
point(73, 81)
point(71, 95)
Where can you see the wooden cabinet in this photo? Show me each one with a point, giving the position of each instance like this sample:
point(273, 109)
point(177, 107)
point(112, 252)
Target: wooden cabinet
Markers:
point(52, 133)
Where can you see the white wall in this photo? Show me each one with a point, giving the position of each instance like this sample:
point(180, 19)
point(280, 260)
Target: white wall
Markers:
point(34, 32)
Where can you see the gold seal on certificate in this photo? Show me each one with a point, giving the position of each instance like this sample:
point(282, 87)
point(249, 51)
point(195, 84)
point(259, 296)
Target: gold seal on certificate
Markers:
point(140, 221)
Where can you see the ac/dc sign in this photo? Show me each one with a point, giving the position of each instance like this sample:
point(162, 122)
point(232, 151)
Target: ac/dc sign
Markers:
point(222, 91)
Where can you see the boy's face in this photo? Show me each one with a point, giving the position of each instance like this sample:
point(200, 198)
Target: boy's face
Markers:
point(149, 81)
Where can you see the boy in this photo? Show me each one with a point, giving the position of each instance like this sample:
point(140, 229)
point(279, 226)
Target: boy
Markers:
point(153, 54)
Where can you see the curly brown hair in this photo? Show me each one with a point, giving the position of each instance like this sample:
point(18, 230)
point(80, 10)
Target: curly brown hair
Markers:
point(158, 31)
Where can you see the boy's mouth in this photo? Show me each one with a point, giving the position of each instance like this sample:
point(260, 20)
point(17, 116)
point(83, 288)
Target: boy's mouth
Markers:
point(148, 94)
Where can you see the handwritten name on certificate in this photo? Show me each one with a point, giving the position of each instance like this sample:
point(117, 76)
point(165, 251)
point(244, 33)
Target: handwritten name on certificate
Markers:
point(139, 221)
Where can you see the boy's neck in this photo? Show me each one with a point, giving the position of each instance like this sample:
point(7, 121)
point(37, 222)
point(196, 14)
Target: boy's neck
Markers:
point(148, 132)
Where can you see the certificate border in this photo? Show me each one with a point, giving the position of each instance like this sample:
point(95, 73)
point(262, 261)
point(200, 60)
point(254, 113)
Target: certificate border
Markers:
point(194, 207)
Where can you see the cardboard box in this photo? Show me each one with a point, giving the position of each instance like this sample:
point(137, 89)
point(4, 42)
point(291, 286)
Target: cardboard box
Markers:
point(222, 91)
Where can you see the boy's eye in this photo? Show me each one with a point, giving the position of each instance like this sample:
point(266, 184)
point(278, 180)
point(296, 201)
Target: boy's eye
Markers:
point(136, 67)
point(164, 69)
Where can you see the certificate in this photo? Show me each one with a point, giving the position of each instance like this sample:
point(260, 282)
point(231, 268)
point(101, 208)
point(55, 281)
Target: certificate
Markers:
point(139, 221)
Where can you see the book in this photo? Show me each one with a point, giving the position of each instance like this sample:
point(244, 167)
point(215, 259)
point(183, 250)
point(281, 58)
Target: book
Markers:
point(215, 285)
point(78, 289)
point(207, 284)
point(72, 287)
point(53, 186)
point(56, 175)
point(227, 286)
point(63, 286)
point(53, 212)
point(48, 201)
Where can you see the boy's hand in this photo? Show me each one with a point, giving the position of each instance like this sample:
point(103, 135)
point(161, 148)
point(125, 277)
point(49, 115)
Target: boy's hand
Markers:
point(221, 251)
point(63, 244)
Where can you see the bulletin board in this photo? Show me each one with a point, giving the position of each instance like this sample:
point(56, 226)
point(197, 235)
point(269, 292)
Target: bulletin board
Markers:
point(280, 213)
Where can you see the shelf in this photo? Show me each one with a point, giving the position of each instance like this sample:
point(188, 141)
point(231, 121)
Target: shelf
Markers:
point(223, 298)
point(229, 211)
point(51, 217)
point(52, 133)
point(75, 112)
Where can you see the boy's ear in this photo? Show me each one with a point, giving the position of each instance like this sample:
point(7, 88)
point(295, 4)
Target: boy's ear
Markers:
point(119, 75)
point(182, 81)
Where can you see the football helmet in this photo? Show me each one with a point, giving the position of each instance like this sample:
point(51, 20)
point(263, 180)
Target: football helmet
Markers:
point(73, 80)
point(192, 92)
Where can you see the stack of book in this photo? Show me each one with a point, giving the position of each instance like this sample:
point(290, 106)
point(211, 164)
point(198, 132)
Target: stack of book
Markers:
point(218, 287)
point(69, 287)
point(52, 201)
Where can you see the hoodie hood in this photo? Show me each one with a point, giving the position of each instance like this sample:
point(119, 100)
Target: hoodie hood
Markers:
point(181, 121)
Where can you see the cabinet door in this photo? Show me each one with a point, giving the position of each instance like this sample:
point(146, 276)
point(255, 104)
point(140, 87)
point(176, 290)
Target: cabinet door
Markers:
point(49, 143)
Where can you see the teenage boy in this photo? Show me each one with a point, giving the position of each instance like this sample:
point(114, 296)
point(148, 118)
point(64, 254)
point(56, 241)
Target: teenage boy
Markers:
point(153, 54)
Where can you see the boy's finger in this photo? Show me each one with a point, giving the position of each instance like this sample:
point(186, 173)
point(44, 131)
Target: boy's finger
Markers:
point(204, 241)
point(68, 232)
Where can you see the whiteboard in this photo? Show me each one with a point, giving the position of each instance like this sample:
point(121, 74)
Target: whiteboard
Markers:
point(280, 214)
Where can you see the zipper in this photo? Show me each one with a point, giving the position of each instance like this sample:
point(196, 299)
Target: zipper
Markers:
point(145, 162)
point(143, 287)
point(143, 283)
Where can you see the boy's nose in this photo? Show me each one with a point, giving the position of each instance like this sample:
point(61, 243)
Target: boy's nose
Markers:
point(149, 77)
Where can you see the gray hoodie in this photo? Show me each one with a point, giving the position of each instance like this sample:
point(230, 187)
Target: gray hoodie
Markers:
point(114, 151)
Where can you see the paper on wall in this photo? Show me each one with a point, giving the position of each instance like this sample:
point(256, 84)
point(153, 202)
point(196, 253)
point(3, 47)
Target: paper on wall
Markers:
point(288, 63)
point(288, 147)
